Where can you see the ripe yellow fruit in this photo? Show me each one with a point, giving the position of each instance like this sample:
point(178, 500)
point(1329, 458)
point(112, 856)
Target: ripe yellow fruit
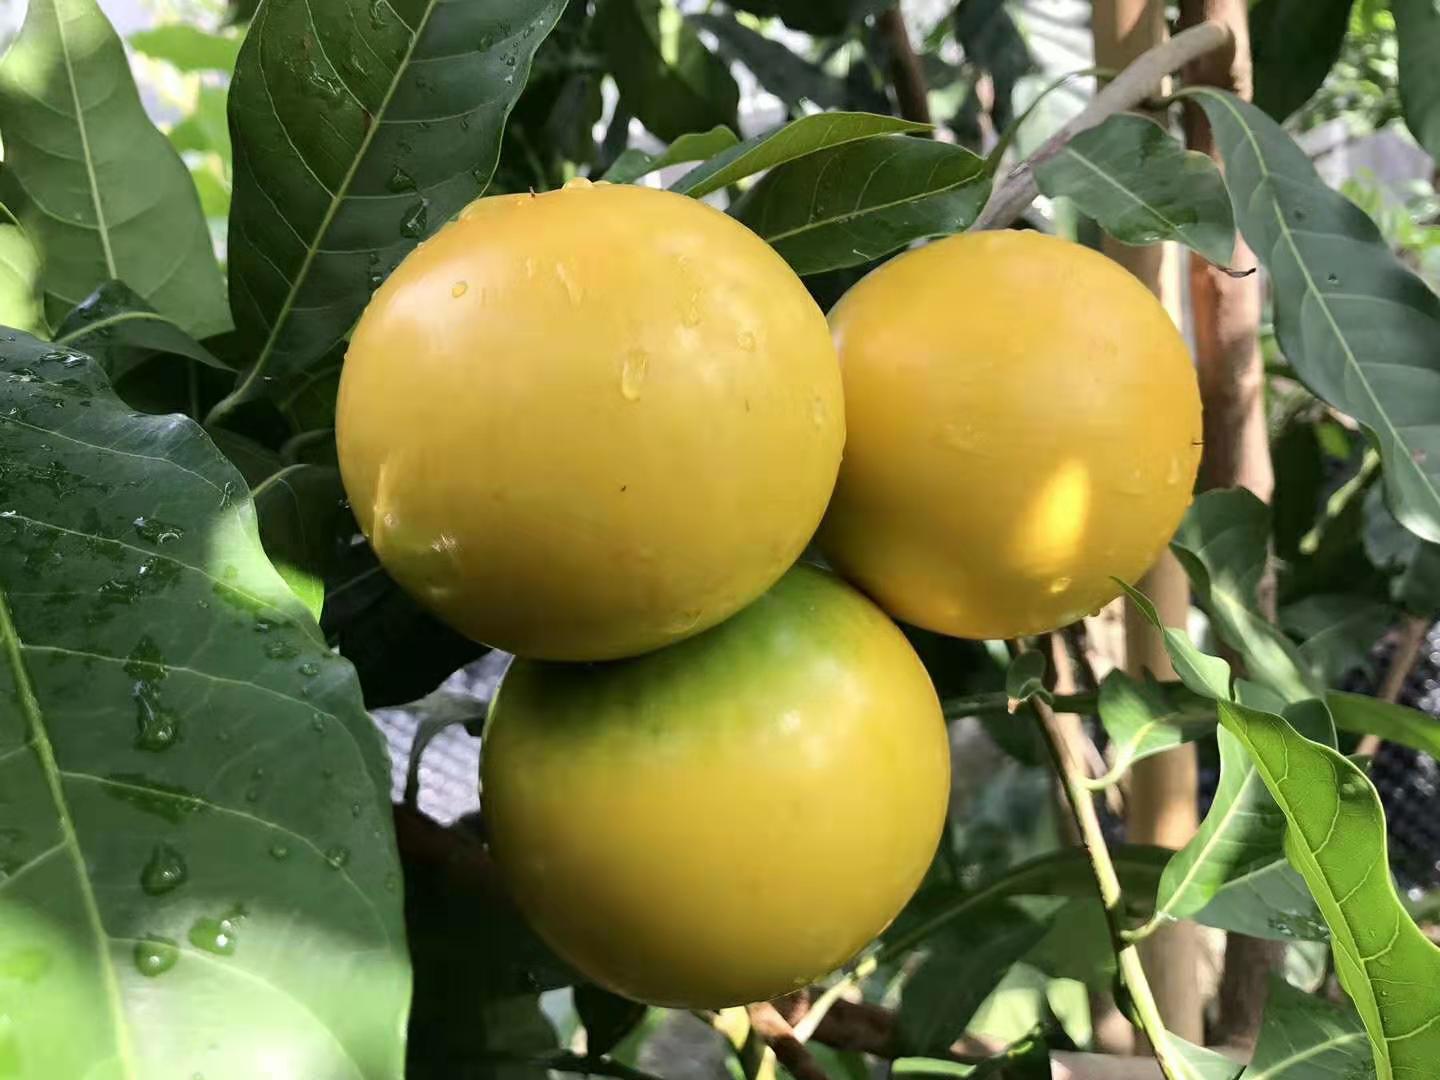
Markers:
point(1023, 426)
point(724, 820)
point(585, 424)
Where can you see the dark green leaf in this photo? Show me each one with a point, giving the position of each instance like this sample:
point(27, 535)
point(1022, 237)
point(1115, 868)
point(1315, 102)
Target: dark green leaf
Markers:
point(607, 1017)
point(359, 128)
point(1299, 478)
point(814, 16)
point(122, 331)
point(849, 204)
point(101, 193)
point(1361, 714)
point(795, 140)
point(1143, 187)
point(1294, 43)
point(1414, 563)
point(1417, 30)
point(196, 821)
point(300, 509)
point(1336, 631)
point(21, 301)
point(1222, 545)
point(1304, 1037)
point(633, 164)
point(962, 969)
point(1142, 719)
point(1335, 837)
point(1025, 677)
point(1358, 327)
point(188, 48)
point(667, 77)
point(790, 77)
point(444, 708)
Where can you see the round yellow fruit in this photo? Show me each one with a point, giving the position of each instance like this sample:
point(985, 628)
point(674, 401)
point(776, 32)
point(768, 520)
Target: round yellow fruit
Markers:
point(724, 820)
point(585, 424)
point(1023, 427)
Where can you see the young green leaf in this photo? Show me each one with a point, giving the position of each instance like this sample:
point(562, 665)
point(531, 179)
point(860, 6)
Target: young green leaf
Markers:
point(349, 151)
point(1304, 1036)
point(1417, 32)
point(633, 164)
point(1335, 837)
point(101, 193)
point(197, 825)
point(1206, 675)
point(1362, 714)
point(1359, 328)
point(1294, 44)
point(850, 204)
point(188, 48)
point(21, 303)
point(795, 140)
point(779, 69)
point(667, 77)
point(1141, 719)
point(1025, 677)
point(1143, 187)
point(1222, 545)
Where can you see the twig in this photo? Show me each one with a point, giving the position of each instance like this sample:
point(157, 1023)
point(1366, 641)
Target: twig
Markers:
point(1402, 662)
point(766, 1021)
point(1132, 86)
point(906, 74)
point(1145, 1014)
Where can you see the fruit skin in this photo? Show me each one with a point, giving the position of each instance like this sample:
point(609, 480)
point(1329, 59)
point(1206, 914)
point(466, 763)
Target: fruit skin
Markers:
point(724, 820)
point(585, 424)
point(1023, 425)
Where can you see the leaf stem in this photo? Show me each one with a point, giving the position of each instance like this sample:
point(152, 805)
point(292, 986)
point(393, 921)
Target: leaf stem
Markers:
point(1131, 87)
point(1145, 1014)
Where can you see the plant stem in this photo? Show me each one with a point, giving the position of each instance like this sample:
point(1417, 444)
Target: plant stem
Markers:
point(906, 74)
point(1144, 1013)
point(1131, 87)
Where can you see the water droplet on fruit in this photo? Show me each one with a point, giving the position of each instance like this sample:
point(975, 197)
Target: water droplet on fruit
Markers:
point(529, 266)
point(1060, 584)
point(632, 375)
point(959, 436)
point(578, 182)
point(685, 622)
point(746, 340)
point(155, 955)
point(567, 279)
point(1175, 473)
point(164, 871)
point(458, 289)
point(818, 412)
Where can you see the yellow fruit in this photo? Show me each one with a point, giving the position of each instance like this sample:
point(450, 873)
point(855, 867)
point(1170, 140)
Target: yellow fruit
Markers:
point(726, 819)
point(1023, 426)
point(585, 424)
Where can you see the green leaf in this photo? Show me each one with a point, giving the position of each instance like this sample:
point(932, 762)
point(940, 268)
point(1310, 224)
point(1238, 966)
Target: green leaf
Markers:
point(814, 16)
point(1414, 563)
point(206, 130)
point(1337, 631)
point(779, 69)
point(100, 191)
point(438, 711)
point(795, 140)
point(300, 509)
point(1335, 837)
point(1141, 719)
point(1364, 715)
point(1222, 544)
point(1192, 1062)
point(1294, 44)
point(1269, 902)
point(187, 47)
point(1025, 677)
point(667, 77)
point(1359, 328)
point(633, 164)
point(351, 149)
point(1206, 675)
point(963, 967)
point(607, 1017)
point(122, 331)
point(1304, 1036)
point(21, 299)
point(1417, 31)
point(1143, 187)
point(849, 204)
point(197, 830)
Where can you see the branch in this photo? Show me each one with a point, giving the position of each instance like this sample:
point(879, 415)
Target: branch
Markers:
point(1402, 662)
point(767, 1022)
point(1135, 84)
point(1145, 1013)
point(906, 74)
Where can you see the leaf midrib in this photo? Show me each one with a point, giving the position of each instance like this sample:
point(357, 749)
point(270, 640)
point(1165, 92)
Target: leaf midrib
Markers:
point(30, 706)
point(876, 208)
point(102, 228)
point(1178, 229)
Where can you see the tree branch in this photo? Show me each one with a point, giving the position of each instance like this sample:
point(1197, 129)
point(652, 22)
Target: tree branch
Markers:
point(906, 74)
point(1402, 661)
point(1135, 84)
point(767, 1022)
